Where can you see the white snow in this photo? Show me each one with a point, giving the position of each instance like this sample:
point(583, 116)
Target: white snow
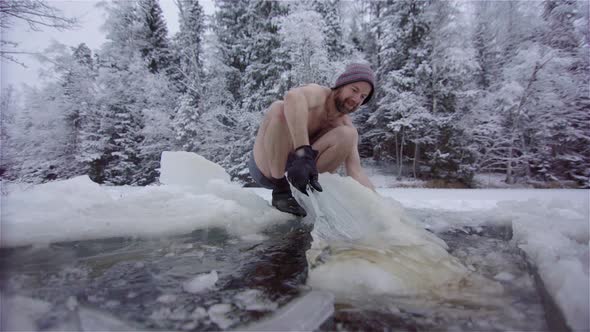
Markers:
point(78, 209)
point(551, 226)
point(219, 314)
point(201, 283)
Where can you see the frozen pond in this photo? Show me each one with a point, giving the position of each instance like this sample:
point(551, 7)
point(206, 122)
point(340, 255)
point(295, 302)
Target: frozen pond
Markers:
point(201, 253)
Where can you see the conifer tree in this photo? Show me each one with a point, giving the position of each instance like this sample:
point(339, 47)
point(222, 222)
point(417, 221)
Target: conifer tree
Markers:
point(484, 43)
point(10, 133)
point(403, 30)
point(127, 98)
point(265, 66)
point(231, 32)
point(189, 47)
point(190, 72)
point(248, 39)
point(568, 123)
point(329, 11)
point(80, 110)
point(303, 41)
point(152, 36)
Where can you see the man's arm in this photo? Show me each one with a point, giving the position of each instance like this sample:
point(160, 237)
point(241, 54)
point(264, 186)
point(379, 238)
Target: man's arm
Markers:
point(355, 171)
point(296, 110)
point(297, 104)
point(353, 163)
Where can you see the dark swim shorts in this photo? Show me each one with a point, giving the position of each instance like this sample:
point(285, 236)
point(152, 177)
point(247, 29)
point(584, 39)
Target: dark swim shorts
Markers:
point(257, 175)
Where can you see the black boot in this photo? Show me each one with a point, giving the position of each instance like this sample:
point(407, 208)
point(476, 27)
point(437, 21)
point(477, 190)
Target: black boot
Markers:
point(283, 199)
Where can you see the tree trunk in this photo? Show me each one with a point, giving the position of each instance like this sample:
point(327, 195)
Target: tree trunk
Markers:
point(401, 155)
point(433, 89)
point(527, 166)
point(396, 152)
point(416, 156)
point(509, 177)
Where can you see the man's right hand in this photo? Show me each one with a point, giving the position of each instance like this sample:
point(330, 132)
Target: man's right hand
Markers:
point(302, 170)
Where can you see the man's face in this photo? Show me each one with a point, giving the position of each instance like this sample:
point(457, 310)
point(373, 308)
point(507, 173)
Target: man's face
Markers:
point(350, 97)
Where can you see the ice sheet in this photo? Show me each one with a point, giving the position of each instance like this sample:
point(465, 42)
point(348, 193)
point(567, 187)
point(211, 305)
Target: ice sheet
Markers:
point(552, 226)
point(79, 209)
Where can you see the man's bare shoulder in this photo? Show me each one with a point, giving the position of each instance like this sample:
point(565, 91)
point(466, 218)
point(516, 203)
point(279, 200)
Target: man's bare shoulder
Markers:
point(314, 93)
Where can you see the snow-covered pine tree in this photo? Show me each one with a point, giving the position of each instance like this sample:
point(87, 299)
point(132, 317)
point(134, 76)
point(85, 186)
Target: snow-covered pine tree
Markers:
point(329, 11)
point(265, 66)
point(91, 142)
point(402, 31)
point(444, 78)
point(484, 44)
point(157, 131)
point(66, 100)
point(364, 29)
point(152, 36)
point(121, 125)
point(303, 41)
point(80, 108)
point(217, 121)
point(41, 140)
point(363, 33)
point(482, 122)
point(10, 133)
point(188, 46)
point(127, 100)
point(565, 152)
point(189, 73)
point(120, 120)
point(247, 32)
point(232, 41)
point(533, 96)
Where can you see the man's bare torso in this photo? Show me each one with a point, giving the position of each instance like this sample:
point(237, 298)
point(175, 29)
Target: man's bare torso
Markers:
point(321, 119)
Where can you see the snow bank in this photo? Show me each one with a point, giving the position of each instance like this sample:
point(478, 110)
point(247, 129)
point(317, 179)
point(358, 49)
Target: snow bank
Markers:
point(555, 236)
point(197, 194)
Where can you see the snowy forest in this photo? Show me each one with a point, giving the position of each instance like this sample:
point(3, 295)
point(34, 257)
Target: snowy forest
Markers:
point(462, 88)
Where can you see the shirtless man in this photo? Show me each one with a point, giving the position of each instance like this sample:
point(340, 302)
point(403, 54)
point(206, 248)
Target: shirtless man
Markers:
point(310, 132)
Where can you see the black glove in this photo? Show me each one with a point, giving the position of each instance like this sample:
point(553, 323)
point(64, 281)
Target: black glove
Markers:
point(301, 169)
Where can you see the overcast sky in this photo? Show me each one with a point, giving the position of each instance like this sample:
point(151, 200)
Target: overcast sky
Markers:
point(91, 19)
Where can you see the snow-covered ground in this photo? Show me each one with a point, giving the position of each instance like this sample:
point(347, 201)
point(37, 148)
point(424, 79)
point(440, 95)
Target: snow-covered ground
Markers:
point(551, 226)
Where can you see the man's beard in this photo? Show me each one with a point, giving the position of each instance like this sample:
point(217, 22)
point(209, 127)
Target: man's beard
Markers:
point(341, 104)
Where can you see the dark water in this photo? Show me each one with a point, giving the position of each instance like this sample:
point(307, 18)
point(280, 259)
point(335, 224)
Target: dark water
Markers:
point(127, 278)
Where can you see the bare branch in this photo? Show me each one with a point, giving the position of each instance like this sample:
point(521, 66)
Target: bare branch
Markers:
point(35, 13)
point(10, 58)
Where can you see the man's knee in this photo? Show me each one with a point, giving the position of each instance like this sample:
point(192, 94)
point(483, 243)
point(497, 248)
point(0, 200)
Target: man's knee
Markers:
point(276, 112)
point(347, 136)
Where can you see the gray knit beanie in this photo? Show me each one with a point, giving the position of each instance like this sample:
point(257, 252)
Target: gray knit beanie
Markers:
point(356, 72)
